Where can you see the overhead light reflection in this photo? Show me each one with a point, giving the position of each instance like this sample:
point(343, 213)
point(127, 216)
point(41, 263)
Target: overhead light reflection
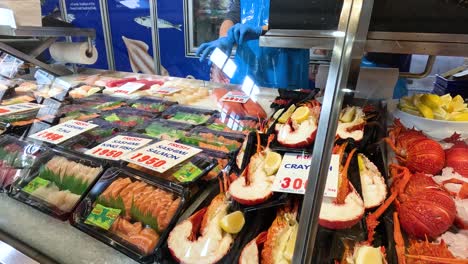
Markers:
point(247, 86)
point(338, 34)
point(230, 68)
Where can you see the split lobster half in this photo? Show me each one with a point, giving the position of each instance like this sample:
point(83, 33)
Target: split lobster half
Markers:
point(416, 151)
point(351, 123)
point(347, 208)
point(300, 133)
point(277, 244)
point(254, 185)
point(457, 155)
point(200, 239)
point(425, 209)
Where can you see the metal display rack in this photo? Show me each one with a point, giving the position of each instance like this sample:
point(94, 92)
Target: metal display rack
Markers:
point(45, 36)
point(349, 43)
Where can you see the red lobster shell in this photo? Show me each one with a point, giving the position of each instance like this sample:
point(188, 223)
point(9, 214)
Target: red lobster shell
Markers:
point(414, 150)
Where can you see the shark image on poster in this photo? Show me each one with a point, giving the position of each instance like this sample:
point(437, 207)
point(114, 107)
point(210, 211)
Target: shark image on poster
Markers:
point(146, 22)
point(140, 59)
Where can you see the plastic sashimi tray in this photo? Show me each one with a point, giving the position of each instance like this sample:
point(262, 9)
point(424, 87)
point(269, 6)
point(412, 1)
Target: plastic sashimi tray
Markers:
point(189, 115)
point(57, 182)
point(17, 157)
point(145, 186)
point(155, 106)
point(224, 142)
point(163, 129)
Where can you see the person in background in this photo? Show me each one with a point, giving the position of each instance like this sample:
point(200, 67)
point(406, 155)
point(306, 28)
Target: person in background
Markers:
point(268, 67)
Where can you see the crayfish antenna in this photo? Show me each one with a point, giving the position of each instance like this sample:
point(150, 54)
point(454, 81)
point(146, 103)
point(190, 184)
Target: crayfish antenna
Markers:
point(259, 142)
point(399, 241)
point(343, 189)
point(270, 139)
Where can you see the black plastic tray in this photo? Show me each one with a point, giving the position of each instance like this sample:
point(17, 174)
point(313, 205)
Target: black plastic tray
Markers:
point(112, 240)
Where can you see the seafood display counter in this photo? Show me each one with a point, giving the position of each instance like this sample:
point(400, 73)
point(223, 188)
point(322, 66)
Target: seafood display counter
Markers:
point(130, 168)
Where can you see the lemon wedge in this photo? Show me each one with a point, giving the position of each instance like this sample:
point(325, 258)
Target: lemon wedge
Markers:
point(445, 99)
point(233, 222)
point(289, 250)
point(425, 110)
point(285, 116)
point(431, 100)
point(459, 117)
point(368, 255)
point(440, 113)
point(347, 115)
point(272, 163)
point(301, 114)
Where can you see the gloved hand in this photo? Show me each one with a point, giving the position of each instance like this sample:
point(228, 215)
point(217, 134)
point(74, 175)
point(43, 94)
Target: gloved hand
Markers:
point(243, 32)
point(225, 44)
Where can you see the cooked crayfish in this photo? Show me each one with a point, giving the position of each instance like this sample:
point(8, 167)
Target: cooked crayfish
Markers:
point(212, 244)
point(254, 185)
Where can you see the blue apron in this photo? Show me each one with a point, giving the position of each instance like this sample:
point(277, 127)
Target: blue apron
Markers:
point(268, 67)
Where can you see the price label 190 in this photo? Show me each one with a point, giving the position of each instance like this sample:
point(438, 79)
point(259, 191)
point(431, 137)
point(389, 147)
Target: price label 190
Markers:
point(116, 147)
point(161, 156)
point(62, 132)
point(129, 88)
point(236, 97)
point(292, 176)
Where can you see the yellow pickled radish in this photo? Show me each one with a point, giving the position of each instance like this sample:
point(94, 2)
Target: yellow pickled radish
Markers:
point(285, 116)
point(289, 250)
point(431, 100)
point(272, 163)
point(445, 99)
point(459, 117)
point(440, 113)
point(301, 114)
point(426, 111)
point(411, 111)
point(368, 255)
point(233, 222)
point(347, 115)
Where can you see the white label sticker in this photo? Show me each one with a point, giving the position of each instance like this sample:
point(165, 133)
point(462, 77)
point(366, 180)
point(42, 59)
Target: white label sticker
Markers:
point(236, 97)
point(167, 90)
point(18, 108)
point(331, 187)
point(116, 147)
point(293, 175)
point(161, 156)
point(129, 88)
point(62, 132)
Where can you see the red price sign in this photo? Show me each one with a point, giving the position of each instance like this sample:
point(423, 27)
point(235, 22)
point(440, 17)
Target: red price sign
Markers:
point(49, 136)
point(148, 160)
point(236, 97)
point(110, 153)
point(297, 184)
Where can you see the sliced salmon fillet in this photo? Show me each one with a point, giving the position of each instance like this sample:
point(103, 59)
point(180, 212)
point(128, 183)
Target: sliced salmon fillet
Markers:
point(141, 195)
point(161, 210)
point(128, 228)
point(145, 242)
point(128, 189)
point(114, 189)
point(171, 211)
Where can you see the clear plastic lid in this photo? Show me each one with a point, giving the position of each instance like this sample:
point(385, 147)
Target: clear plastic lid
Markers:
point(163, 129)
point(204, 138)
point(189, 115)
point(57, 182)
point(151, 105)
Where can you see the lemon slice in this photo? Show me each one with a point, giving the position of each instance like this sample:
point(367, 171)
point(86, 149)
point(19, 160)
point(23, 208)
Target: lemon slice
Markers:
point(426, 111)
point(440, 114)
point(368, 255)
point(272, 163)
point(233, 222)
point(445, 99)
point(289, 250)
point(285, 116)
point(301, 114)
point(431, 100)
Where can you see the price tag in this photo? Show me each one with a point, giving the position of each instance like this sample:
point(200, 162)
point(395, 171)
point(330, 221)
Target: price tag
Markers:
point(293, 175)
point(60, 133)
point(116, 147)
point(331, 187)
point(236, 97)
point(167, 90)
point(161, 156)
point(129, 88)
point(43, 77)
point(18, 108)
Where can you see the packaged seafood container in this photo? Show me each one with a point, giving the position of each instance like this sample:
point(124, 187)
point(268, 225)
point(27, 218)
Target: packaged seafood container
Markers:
point(224, 164)
point(76, 112)
point(183, 174)
point(100, 102)
point(57, 182)
point(151, 105)
point(143, 213)
point(163, 129)
point(17, 99)
point(83, 90)
point(18, 124)
point(127, 117)
point(247, 149)
point(50, 111)
point(189, 115)
point(234, 124)
point(207, 139)
point(16, 159)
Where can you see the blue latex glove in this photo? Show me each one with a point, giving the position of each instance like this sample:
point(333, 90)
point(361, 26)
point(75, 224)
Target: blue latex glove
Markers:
point(225, 44)
point(244, 32)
